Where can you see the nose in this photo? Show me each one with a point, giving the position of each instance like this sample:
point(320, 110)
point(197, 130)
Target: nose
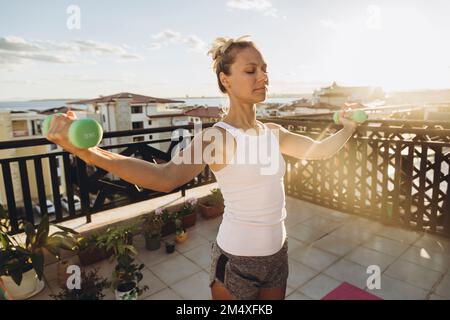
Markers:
point(263, 78)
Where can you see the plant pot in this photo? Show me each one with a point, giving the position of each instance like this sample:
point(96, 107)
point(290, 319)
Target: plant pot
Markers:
point(168, 228)
point(27, 288)
point(170, 247)
point(92, 255)
point(189, 220)
point(61, 273)
point(129, 238)
point(126, 291)
point(152, 243)
point(181, 237)
point(209, 212)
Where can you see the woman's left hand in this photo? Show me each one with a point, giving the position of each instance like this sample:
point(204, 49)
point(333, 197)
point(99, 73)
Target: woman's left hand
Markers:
point(345, 119)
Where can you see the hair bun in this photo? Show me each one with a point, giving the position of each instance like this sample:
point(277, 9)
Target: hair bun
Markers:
point(221, 44)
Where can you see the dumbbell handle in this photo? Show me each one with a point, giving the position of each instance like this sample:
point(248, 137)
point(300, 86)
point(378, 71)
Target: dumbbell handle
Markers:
point(83, 133)
point(357, 115)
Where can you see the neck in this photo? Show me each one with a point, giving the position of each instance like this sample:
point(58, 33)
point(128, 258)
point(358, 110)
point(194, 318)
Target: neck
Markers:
point(241, 115)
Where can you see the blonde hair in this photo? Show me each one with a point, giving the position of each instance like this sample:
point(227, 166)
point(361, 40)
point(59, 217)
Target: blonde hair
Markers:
point(223, 53)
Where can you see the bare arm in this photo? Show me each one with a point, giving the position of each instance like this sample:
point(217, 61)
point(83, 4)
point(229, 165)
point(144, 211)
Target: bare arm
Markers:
point(160, 177)
point(303, 147)
point(136, 171)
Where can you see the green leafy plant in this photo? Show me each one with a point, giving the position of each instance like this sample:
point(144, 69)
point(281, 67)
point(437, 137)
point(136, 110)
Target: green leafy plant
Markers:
point(189, 207)
point(17, 257)
point(92, 286)
point(179, 229)
point(166, 215)
point(117, 241)
point(87, 242)
point(126, 272)
point(215, 198)
point(152, 224)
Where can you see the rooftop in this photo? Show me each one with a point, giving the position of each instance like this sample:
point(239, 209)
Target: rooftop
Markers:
point(326, 248)
point(135, 98)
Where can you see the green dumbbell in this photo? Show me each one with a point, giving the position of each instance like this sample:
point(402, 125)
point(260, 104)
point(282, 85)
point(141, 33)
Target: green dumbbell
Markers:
point(358, 116)
point(83, 133)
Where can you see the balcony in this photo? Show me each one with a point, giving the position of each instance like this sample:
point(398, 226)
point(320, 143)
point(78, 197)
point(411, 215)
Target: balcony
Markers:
point(326, 249)
point(382, 200)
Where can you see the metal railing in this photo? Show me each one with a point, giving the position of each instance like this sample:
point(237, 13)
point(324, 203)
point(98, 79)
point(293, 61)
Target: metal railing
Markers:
point(395, 171)
point(89, 183)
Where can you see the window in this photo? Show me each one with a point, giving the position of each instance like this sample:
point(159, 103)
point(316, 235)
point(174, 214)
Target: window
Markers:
point(150, 137)
point(136, 109)
point(149, 122)
point(138, 139)
point(138, 124)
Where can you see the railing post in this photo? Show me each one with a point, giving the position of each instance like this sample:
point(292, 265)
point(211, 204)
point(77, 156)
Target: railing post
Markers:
point(9, 189)
point(351, 177)
point(84, 189)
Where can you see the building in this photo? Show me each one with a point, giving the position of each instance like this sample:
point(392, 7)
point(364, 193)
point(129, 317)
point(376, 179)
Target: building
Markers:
point(188, 116)
point(127, 111)
point(336, 95)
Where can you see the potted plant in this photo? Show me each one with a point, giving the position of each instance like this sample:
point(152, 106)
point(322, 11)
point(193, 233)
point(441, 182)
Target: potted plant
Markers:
point(22, 264)
point(126, 274)
point(188, 212)
point(213, 205)
point(170, 246)
point(118, 240)
point(89, 252)
point(92, 286)
point(151, 229)
point(180, 232)
point(168, 221)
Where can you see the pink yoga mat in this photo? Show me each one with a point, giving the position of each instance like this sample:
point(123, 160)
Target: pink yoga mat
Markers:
point(346, 291)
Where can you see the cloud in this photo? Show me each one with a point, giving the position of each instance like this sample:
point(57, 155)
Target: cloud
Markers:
point(168, 37)
point(328, 23)
point(374, 18)
point(263, 6)
point(17, 51)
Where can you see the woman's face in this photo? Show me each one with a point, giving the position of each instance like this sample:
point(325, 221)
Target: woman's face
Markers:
point(248, 79)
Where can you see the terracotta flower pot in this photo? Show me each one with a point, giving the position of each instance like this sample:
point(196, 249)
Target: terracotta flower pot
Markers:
point(168, 228)
point(92, 255)
point(189, 220)
point(209, 212)
point(61, 273)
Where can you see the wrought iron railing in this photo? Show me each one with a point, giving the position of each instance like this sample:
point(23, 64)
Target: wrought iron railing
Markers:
point(393, 171)
point(89, 183)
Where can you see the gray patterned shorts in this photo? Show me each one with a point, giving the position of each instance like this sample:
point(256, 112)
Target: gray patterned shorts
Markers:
point(244, 276)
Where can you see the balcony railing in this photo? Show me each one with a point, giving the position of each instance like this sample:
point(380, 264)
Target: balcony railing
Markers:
point(90, 184)
point(393, 171)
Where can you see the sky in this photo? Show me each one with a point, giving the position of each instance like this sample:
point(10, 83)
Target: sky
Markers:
point(83, 49)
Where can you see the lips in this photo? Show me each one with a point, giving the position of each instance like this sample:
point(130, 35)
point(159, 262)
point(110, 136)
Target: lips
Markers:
point(260, 89)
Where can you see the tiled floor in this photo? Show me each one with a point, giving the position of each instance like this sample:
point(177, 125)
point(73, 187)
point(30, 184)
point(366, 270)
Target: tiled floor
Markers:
point(326, 248)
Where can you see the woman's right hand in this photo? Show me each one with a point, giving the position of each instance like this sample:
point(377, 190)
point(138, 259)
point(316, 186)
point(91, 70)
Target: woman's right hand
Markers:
point(58, 132)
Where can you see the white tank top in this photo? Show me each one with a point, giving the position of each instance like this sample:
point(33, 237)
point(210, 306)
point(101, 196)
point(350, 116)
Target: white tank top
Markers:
point(253, 190)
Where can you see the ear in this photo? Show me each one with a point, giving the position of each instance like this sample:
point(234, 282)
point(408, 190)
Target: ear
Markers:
point(224, 80)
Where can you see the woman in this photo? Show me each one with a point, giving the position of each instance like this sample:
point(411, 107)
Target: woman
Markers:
point(249, 256)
